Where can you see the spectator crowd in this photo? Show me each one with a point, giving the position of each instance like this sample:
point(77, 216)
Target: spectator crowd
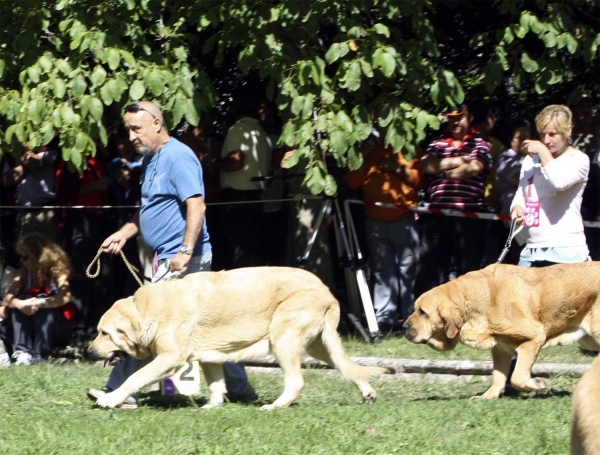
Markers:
point(468, 166)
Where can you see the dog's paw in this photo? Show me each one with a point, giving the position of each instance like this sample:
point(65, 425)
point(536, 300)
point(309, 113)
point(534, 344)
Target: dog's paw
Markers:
point(369, 395)
point(490, 394)
point(110, 400)
point(539, 384)
point(267, 407)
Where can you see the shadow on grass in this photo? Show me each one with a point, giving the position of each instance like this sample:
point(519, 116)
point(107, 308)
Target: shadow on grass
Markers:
point(158, 401)
point(510, 394)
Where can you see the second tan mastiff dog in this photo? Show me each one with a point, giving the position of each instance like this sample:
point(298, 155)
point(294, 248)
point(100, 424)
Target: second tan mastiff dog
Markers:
point(512, 310)
point(230, 316)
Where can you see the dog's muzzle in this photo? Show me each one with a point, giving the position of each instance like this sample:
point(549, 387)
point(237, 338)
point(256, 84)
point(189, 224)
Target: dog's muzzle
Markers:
point(115, 358)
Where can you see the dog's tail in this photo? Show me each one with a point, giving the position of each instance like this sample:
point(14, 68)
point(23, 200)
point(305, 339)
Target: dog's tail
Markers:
point(336, 356)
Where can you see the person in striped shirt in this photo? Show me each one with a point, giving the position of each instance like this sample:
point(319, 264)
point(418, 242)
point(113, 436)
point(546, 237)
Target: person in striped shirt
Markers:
point(458, 163)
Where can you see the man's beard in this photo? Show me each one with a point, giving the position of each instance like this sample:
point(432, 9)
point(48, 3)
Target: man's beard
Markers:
point(144, 150)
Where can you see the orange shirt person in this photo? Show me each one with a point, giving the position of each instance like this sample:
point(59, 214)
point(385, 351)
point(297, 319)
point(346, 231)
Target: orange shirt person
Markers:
point(392, 234)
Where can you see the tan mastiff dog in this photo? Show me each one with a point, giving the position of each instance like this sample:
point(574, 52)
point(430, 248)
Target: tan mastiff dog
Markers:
point(585, 430)
point(512, 311)
point(231, 316)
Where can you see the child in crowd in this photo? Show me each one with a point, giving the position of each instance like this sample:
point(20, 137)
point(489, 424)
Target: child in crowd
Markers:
point(38, 300)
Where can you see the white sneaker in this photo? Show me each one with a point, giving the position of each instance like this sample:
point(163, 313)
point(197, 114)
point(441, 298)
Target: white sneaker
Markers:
point(4, 360)
point(22, 358)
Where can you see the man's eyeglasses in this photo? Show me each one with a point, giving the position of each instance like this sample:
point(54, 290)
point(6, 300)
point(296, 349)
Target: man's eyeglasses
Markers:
point(135, 108)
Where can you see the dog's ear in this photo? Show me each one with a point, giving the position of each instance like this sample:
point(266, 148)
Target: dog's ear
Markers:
point(453, 321)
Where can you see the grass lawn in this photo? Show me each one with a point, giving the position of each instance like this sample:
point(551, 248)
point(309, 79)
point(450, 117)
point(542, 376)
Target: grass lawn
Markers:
point(45, 411)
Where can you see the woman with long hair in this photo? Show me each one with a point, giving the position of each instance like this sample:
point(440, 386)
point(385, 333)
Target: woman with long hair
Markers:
point(38, 299)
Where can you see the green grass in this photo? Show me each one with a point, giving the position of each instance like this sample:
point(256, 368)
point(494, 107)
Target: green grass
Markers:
point(45, 411)
point(401, 348)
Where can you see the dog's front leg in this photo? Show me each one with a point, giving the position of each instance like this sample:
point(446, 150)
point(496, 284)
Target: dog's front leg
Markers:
point(215, 379)
point(163, 366)
point(526, 356)
point(501, 368)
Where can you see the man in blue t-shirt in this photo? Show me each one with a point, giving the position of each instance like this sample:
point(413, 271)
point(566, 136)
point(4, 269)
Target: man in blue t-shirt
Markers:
point(171, 221)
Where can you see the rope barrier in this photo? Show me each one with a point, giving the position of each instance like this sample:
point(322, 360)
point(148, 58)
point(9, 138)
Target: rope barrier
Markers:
point(134, 270)
point(444, 212)
point(452, 212)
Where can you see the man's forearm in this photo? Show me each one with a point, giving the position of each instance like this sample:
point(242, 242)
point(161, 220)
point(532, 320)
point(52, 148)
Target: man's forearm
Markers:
point(194, 220)
point(132, 227)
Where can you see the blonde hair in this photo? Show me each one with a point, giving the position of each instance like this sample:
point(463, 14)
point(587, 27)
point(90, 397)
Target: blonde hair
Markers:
point(47, 259)
point(560, 115)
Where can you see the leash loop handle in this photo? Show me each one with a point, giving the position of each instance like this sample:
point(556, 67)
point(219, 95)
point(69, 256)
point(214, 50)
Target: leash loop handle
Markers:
point(96, 261)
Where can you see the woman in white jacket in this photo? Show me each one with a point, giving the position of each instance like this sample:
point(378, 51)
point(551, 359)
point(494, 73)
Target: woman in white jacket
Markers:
point(548, 200)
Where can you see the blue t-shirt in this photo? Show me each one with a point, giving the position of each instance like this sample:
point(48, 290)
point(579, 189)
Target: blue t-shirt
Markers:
point(169, 178)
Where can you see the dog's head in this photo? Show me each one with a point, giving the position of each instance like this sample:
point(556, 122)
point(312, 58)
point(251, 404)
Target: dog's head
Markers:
point(437, 318)
point(121, 331)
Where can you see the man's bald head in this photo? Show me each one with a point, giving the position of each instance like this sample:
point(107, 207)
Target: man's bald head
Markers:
point(152, 109)
point(144, 122)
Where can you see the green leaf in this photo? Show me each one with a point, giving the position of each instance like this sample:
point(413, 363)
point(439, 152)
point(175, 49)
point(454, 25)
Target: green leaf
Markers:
point(382, 30)
point(528, 64)
point(339, 142)
point(297, 105)
point(355, 160)
point(315, 180)
point(128, 58)
point(114, 59)
point(352, 78)
point(59, 87)
point(47, 131)
point(179, 107)
point(333, 54)
point(66, 153)
point(76, 158)
point(63, 66)
point(549, 39)
point(288, 134)
point(80, 141)
point(45, 63)
point(191, 113)
point(307, 109)
point(362, 121)
point(34, 74)
point(9, 133)
point(508, 35)
point(386, 62)
point(330, 185)
point(96, 108)
point(20, 132)
point(327, 96)
point(344, 122)
point(106, 95)
point(571, 43)
point(34, 110)
point(78, 85)
point(2, 67)
point(536, 26)
point(67, 114)
point(98, 75)
point(57, 119)
point(180, 53)
point(386, 115)
point(156, 83)
point(137, 91)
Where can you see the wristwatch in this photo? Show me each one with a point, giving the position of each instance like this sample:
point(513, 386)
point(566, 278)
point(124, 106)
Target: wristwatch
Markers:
point(186, 249)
